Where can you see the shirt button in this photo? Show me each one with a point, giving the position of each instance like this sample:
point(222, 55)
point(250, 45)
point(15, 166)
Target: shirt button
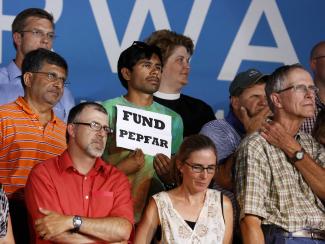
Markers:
point(87, 197)
point(85, 178)
point(41, 128)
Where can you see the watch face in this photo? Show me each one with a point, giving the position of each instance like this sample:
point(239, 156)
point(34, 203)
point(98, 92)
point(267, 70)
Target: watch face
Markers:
point(300, 155)
point(78, 221)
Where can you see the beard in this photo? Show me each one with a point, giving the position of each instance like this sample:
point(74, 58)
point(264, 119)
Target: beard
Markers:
point(95, 148)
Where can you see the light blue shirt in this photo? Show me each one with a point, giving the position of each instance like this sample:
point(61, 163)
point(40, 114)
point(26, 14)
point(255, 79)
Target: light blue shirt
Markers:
point(11, 88)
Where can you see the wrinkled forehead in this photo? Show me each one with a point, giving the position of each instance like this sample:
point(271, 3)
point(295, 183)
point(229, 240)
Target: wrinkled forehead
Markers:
point(298, 76)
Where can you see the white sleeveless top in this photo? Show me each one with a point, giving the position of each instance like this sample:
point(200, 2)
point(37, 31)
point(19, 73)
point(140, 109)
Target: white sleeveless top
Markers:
point(209, 227)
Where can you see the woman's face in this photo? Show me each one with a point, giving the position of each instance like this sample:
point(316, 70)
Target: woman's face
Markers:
point(198, 170)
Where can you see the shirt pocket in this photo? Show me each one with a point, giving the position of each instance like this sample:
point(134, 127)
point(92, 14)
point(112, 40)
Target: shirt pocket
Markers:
point(102, 203)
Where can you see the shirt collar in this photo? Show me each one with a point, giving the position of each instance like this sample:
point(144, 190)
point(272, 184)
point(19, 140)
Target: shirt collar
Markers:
point(13, 71)
point(65, 163)
point(21, 102)
point(167, 96)
point(235, 123)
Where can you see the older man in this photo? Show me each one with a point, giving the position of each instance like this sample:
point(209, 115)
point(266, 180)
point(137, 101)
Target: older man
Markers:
point(77, 197)
point(31, 29)
point(29, 130)
point(280, 173)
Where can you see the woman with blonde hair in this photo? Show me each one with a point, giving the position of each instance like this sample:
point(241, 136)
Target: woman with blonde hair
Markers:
point(190, 213)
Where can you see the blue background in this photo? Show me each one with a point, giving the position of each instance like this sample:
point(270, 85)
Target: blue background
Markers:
point(91, 77)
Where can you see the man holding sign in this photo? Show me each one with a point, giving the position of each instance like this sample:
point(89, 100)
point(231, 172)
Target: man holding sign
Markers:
point(146, 133)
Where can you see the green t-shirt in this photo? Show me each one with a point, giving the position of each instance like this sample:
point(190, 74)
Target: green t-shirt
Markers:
point(145, 179)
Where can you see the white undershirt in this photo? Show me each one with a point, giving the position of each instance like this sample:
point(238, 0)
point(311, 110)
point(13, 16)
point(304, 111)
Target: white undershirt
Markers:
point(167, 96)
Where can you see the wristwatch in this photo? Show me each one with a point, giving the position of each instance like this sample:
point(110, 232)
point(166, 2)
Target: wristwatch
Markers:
point(298, 155)
point(77, 222)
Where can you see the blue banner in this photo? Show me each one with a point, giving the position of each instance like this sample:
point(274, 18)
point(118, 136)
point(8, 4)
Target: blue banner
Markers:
point(229, 35)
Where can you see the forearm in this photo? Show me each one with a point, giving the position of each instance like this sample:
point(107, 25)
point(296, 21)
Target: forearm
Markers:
point(111, 229)
point(69, 237)
point(251, 232)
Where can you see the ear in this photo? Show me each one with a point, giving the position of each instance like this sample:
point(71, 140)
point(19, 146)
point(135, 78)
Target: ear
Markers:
point(179, 165)
point(312, 64)
point(28, 79)
point(276, 100)
point(126, 73)
point(17, 38)
point(235, 103)
point(71, 130)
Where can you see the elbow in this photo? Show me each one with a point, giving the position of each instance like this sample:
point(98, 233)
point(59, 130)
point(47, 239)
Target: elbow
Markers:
point(126, 232)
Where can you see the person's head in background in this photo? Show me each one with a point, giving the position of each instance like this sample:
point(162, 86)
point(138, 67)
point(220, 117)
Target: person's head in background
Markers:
point(32, 28)
point(319, 128)
point(176, 52)
point(196, 162)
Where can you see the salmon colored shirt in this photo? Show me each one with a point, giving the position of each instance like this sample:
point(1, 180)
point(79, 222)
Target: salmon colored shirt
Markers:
point(24, 142)
point(57, 186)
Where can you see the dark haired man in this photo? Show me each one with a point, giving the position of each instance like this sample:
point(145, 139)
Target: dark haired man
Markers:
point(76, 197)
point(29, 129)
point(31, 29)
point(139, 70)
point(280, 172)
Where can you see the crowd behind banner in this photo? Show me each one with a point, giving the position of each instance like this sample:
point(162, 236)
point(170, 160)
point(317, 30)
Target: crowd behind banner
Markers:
point(154, 165)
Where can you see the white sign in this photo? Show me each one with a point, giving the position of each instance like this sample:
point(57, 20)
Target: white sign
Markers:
point(149, 131)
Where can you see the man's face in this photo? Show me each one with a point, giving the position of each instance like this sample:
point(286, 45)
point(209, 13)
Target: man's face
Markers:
point(145, 75)
point(296, 102)
point(177, 68)
point(35, 35)
point(318, 64)
point(41, 89)
point(88, 140)
point(253, 99)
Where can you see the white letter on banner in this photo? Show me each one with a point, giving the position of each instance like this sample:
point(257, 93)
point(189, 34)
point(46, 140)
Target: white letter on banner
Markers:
point(54, 7)
point(136, 22)
point(241, 50)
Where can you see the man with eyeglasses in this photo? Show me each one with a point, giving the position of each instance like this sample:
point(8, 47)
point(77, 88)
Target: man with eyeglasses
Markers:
point(317, 65)
point(29, 129)
point(280, 171)
point(139, 70)
point(76, 197)
point(31, 29)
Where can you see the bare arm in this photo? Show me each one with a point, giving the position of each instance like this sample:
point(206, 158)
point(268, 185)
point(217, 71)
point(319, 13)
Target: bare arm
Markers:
point(148, 224)
point(57, 227)
point(251, 230)
point(312, 172)
point(9, 238)
point(229, 220)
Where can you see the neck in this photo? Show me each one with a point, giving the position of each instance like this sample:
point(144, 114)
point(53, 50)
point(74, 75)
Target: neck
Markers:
point(43, 111)
point(291, 124)
point(191, 197)
point(19, 59)
point(321, 87)
point(82, 162)
point(167, 86)
point(139, 99)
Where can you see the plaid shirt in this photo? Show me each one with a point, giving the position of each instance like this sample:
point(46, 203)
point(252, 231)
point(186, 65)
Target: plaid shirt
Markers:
point(270, 187)
point(309, 123)
point(4, 212)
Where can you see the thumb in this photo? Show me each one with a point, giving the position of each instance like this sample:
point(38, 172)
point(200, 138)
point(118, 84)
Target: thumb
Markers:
point(244, 115)
point(44, 211)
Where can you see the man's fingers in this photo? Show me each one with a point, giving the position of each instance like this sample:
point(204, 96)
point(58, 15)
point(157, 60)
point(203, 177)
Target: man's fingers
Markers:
point(44, 211)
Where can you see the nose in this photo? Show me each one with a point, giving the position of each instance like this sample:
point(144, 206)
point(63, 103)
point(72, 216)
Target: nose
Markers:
point(263, 101)
point(204, 174)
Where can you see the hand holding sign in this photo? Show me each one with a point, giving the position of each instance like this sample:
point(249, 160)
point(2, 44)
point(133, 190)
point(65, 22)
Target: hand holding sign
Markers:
point(162, 165)
point(133, 162)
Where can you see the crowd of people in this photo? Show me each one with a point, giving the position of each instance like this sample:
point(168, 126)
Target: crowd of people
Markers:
point(256, 176)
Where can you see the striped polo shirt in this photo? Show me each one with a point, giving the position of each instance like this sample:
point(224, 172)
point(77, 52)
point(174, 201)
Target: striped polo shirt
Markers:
point(24, 142)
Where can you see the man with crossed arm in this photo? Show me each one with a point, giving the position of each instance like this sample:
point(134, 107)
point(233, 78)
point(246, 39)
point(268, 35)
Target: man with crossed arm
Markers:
point(76, 197)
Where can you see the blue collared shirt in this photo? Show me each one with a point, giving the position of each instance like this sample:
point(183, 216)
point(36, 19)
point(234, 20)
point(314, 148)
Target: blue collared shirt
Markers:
point(11, 88)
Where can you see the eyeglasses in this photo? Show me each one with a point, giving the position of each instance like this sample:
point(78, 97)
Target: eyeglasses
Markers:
point(197, 168)
point(140, 44)
point(96, 126)
point(52, 77)
point(301, 88)
point(319, 57)
point(41, 34)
